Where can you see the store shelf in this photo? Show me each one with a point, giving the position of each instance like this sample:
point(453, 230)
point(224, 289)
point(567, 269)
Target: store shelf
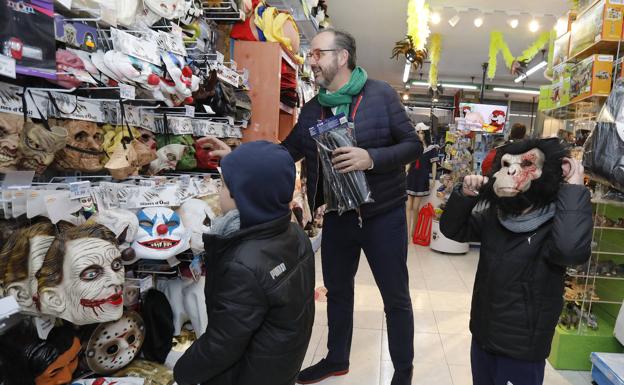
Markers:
point(289, 59)
point(586, 108)
point(603, 201)
point(602, 47)
point(608, 228)
point(286, 109)
point(597, 277)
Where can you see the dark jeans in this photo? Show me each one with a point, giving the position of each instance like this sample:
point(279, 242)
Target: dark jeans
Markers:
point(492, 369)
point(383, 238)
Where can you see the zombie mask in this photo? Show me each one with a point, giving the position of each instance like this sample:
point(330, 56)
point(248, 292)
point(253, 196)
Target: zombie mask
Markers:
point(37, 146)
point(10, 127)
point(148, 138)
point(188, 161)
point(82, 276)
point(204, 160)
point(124, 224)
point(114, 345)
point(161, 234)
point(197, 216)
point(517, 172)
point(122, 162)
point(61, 370)
point(83, 151)
point(167, 158)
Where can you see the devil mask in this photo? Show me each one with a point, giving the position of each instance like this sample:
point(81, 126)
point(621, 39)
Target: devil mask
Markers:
point(161, 234)
point(114, 345)
point(82, 276)
point(20, 258)
point(37, 146)
point(526, 174)
point(83, 151)
point(10, 127)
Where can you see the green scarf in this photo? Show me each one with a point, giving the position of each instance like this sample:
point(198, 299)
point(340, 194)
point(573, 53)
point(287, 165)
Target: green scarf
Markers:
point(343, 97)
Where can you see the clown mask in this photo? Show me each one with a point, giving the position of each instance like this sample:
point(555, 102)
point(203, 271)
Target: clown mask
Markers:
point(92, 275)
point(197, 216)
point(10, 127)
point(83, 151)
point(37, 146)
point(161, 234)
point(123, 223)
point(62, 369)
point(517, 172)
point(114, 345)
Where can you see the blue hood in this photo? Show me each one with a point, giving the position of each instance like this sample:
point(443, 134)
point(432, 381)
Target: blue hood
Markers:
point(261, 178)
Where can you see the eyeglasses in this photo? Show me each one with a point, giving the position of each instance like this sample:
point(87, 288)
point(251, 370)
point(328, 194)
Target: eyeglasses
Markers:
point(316, 53)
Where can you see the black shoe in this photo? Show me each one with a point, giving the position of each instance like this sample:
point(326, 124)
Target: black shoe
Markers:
point(322, 370)
point(402, 377)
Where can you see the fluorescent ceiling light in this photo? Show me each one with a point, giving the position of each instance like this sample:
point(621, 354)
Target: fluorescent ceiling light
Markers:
point(534, 26)
point(435, 18)
point(420, 84)
point(460, 86)
point(516, 90)
point(406, 72)
point(531, 71)
point(453, 21)
point(478, 22)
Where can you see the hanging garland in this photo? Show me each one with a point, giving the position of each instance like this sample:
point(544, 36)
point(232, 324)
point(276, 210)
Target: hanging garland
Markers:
point(435, 48)
point(418, 23)
point(498, 44)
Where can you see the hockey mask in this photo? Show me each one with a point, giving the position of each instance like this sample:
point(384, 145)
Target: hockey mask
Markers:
point(197, 216)
point(82, 276)
point(83, 151)
point(61, 370)
point(187, 161)
point(114, 345)
point(10, 127)
point(161, 234)
point(517, 172)
point(37, 146)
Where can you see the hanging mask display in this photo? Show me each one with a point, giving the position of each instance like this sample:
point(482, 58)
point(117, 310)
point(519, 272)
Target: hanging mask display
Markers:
point(187, 161)
point(161, 234)
point(124, 224)
point(10, 128)
point(204, 160)
point(55, 359)
point(197, 216)
point(188, 303)
point(167, 158)
point(82, 276)
point(113, 345)
point(83, 150)
point(20, 259)
point(37, 146)
point(122, 162)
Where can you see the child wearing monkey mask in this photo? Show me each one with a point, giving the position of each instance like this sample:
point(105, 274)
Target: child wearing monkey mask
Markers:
point(537, 222)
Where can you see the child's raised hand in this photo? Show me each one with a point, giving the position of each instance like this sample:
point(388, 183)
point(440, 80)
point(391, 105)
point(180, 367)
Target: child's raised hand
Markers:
point(472, 184)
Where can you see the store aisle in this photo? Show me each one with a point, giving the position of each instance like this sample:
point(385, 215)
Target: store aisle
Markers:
point(441, 300)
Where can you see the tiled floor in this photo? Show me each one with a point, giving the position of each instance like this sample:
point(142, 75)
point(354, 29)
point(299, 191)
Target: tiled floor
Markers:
point(441, 288)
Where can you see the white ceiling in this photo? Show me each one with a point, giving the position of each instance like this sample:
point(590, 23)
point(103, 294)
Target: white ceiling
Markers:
point(378, 25)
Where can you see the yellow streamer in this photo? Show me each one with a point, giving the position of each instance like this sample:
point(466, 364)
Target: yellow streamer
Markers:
point(418, 23)
point(435, 48)
point(498, 44)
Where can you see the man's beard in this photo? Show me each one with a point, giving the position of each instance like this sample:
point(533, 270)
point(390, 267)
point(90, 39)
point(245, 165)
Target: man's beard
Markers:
point(328, 74)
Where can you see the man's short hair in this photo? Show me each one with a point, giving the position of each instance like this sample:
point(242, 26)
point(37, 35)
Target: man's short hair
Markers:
point(518, 132)
point(344, 40)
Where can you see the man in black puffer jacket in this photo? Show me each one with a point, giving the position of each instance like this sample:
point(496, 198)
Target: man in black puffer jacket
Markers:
point(260, 280)
point(538, 222)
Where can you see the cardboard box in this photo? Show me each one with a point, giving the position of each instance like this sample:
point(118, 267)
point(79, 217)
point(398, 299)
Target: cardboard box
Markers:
point(601, 21)
point(545, 101)
point(561, 49)
point(591, 77)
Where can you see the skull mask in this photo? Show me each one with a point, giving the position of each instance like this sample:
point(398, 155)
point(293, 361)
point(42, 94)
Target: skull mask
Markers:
point(517, 172)
point(10, 127)
point(161, 234)
point(37, 146)
point(83, 151)
point(114, 345)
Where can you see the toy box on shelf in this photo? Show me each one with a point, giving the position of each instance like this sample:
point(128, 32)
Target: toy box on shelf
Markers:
point(600, 22)
point(593, 294)
point(561, 49)
point(591, 77)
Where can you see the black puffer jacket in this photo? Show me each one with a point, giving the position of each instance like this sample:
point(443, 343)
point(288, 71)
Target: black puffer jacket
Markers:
point(383, 128)
point(518, 292)
point(260, 299)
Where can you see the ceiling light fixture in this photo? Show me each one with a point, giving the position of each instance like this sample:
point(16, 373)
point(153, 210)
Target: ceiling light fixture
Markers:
point(534, 26)
point(435, 100)
point(516, 90)
point(513, 23)
point(435, 18)
point(406, 72)
point(405, 97)
point(453, 21)
point(420, 84)
point(531, 71)
point(478, 22)
point(447, 85)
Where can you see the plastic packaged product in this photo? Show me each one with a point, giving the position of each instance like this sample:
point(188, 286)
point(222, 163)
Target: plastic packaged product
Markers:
point(343, 192)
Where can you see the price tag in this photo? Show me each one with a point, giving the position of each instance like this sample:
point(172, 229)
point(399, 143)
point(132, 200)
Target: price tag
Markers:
point(65, 3)
point(220, 57)
point(190, 111)
point(44, 325)
point(146, 284)
point(79, 189)
point(126, 91)
point(7, 66)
